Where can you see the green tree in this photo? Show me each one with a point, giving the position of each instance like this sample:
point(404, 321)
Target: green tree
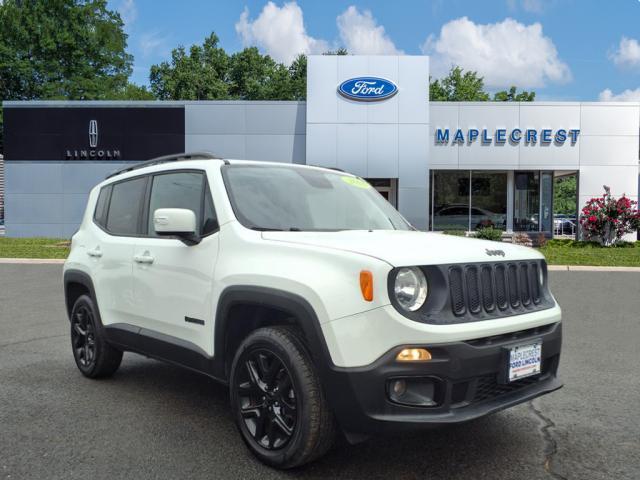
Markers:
point(207, 72)
point(458, 87)
point(298, 74)
point(513, 96)
point(564, 195)
point(62, 49)
point(340, 51)
point(461, 86)
point(200, 74)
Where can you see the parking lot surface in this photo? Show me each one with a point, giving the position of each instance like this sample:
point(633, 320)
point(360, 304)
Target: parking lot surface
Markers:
point(152, 420)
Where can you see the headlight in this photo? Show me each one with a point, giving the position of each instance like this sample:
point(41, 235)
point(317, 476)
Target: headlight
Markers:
point(410, 288)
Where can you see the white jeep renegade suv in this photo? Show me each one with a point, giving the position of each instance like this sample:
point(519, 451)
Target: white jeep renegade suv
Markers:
point(311, 297)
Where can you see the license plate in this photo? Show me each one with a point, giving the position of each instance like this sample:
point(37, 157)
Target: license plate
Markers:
point(524, 361)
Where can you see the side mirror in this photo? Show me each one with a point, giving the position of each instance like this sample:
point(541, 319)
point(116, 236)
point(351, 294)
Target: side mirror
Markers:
point(178, 222)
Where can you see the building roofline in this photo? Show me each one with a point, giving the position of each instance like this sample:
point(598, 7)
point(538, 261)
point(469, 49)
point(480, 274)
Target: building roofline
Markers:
point(138, 103)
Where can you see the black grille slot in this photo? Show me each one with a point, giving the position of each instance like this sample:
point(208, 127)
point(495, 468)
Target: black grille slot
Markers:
point(525, 295)
point(534, 279)
point(487, 288)
point(473, 290)
point(490, 290)
point(457, 291)
point(501, 287)
point(512, 274)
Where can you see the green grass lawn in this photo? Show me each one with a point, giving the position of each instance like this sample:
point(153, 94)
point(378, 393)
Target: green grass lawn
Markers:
point(558, 252)
point(33, 248)
point(570, 252)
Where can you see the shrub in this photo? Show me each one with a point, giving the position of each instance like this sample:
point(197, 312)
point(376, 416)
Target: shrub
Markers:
point(522, 239)
point(606, 219)
point(489, 233)
point(457, 233)
point(542, 239)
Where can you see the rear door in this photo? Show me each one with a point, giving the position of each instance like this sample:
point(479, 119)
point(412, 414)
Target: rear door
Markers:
point(117, 221)
point(173, 282)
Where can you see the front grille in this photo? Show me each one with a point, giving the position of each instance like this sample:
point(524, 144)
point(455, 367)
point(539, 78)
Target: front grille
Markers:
point(492, 289)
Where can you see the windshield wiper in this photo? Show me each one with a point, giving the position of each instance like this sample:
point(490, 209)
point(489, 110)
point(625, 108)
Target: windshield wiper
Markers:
point(268, 229)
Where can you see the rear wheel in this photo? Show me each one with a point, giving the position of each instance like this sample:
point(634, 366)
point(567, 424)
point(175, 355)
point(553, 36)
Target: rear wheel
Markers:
point(93, 355)
point(277, 399)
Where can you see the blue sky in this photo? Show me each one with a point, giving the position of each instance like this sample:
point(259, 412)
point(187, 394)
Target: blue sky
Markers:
point(563, 49)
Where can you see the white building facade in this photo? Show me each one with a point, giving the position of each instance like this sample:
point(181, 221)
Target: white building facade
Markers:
point(445, 165)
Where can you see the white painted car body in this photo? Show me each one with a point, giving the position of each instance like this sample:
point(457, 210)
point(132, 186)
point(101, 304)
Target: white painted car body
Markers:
point(153, 283)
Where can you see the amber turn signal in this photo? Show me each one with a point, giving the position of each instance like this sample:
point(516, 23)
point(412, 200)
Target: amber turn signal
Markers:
point(366, 285)
point(413, 355)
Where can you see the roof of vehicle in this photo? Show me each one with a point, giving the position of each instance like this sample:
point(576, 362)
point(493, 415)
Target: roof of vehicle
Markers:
point(206, 156)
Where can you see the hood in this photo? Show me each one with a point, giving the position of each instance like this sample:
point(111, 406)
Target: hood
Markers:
point(406, 248)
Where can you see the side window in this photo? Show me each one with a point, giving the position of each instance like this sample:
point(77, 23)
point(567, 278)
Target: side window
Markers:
point(124, 208)
point(176, 190)
point(100, 214)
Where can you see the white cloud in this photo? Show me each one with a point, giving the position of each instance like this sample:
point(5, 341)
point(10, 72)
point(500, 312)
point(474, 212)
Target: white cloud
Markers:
point(505, 53)
point(279, 32)
point(627, 96)
point(128, 12)
point(151, 43)
point(361, 34)
point(627, 54)
point(531, 6)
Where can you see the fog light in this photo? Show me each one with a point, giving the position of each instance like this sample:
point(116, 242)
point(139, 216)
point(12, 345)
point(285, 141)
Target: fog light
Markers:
point(417, 392)
point(413, 355)
point(399, 387)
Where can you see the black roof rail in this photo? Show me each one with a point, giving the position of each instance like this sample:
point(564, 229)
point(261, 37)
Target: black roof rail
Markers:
point(176, 157)
point(330, 168)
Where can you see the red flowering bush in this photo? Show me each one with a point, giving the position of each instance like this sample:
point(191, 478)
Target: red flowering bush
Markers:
point(607, 219)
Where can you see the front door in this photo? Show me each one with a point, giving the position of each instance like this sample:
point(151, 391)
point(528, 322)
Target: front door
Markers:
point(173, 282)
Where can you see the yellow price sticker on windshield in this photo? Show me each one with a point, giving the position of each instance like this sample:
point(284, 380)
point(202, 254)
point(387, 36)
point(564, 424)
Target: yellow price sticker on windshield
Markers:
point(355, 182)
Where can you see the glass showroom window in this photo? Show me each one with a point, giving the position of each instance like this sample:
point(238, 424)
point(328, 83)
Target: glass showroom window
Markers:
point(450, 200)
point(488, 200)
point(526, 212)
point(465, 200)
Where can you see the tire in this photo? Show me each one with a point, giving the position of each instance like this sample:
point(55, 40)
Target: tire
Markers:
point(94, 357)
point(277, 400)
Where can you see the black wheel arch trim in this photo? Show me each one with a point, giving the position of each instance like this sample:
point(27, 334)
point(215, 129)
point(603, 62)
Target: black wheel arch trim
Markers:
point(81, 278)
point(299, 308)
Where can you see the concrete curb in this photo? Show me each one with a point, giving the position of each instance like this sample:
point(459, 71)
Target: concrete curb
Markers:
point(32, 261)
point(590, 268)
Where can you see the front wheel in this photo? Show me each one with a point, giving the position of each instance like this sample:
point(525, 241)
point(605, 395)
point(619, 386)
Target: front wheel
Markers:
point(278, 401)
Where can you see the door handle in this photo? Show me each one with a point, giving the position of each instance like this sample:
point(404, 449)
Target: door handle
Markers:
point(145, 259)
point(95, 253)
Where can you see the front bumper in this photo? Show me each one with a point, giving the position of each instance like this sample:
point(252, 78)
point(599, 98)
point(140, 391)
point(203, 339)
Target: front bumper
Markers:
point(468, 378)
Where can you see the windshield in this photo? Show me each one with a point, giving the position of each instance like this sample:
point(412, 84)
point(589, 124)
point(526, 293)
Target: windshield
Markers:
point(303, 199)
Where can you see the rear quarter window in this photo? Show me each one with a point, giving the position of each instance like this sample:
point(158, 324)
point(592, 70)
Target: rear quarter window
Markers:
point(102, 205)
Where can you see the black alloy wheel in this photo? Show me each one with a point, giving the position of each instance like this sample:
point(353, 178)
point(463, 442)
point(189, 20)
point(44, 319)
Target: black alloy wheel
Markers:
point(277, 398)
point(94, 356)
point(83, 337)
point(268, 401)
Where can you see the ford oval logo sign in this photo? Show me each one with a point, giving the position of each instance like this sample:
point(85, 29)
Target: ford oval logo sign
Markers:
point(367, 89)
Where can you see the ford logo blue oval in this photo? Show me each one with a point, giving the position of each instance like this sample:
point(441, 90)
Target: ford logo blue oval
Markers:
point(367, 89)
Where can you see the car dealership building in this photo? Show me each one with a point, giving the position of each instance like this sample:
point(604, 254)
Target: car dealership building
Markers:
point(445, 165)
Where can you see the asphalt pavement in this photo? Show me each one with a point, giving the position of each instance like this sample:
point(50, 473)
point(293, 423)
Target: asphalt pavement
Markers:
point(153, 420)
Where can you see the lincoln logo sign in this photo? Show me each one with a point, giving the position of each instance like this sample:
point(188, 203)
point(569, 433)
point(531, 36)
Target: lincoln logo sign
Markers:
point(93, 133)
point(367, 89)
point(92, 153)
point(500, 136)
